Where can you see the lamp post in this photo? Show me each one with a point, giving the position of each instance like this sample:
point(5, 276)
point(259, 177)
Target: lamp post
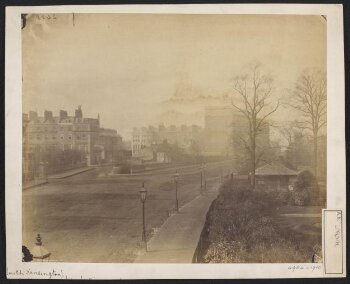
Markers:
point(143, 196)
point(46, 170)
point(176, 178)
point(39, 252)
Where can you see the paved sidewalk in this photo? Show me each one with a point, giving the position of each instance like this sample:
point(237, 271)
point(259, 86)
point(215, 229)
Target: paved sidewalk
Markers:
point(70, 173)
point(177, 239)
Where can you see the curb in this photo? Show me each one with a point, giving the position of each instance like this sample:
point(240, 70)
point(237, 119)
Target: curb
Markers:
point(34, 185)
point(70, 174)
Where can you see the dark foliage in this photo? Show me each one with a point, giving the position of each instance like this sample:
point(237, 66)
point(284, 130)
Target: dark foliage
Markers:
point(26, 255)
point(306, 190)
point(240, 228)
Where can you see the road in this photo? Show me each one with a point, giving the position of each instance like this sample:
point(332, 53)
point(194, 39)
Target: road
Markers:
point(92, 217)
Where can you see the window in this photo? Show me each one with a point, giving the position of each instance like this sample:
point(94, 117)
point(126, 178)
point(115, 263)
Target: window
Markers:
point(53, 137)
point(70, 136)
point(46, 137)
point(61, 127)
point(62, 136)
point(38, 137)
point(78, 137)
point(45, 128)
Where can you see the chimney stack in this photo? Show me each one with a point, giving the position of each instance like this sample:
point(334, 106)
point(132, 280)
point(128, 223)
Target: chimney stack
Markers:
point(47, 115)
point(79, 112)
point(33, 115)
point(63, 114)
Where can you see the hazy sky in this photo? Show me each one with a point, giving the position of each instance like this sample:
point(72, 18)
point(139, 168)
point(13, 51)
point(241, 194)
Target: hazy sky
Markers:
point(122, 65)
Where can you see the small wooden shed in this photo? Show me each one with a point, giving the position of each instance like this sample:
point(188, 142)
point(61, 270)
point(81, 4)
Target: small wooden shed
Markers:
point(275, 176)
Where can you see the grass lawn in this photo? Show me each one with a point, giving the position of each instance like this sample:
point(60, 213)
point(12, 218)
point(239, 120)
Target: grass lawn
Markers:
point(300, 224)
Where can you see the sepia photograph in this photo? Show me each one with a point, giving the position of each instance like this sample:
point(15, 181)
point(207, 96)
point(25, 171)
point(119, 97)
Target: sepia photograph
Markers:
point(173, 138)
point(175, 141)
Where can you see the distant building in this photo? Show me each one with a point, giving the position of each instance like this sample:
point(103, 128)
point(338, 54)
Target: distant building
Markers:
point(50, 133)
point(141, 138)
point(217, 131)
point(146, 154)
point(146, 137)
point(64, 132)
point(156, 153)
point(181, 136)
point(225, 130)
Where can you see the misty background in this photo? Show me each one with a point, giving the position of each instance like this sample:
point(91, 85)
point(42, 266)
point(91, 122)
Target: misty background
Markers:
point(142, 69)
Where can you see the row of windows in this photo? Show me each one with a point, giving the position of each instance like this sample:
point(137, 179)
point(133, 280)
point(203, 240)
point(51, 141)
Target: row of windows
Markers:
point(140, 141)
point(54, 137)
point(137, 147)
point(54, 128)
point(137, 137)
point(64, 146)
point(80, 147)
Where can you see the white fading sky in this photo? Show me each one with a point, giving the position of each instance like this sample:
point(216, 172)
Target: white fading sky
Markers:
point(124, 65)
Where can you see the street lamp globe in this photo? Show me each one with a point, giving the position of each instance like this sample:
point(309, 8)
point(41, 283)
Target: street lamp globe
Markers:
point(176, 176)
point(143, 193)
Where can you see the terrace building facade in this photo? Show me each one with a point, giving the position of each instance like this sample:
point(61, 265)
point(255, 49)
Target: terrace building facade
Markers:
point(49, 135)
point(63, 132)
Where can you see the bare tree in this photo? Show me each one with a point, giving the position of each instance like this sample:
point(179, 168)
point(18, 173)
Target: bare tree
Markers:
point(294, 139)
point(310, 100)
point(254, 91)
point(289, 130)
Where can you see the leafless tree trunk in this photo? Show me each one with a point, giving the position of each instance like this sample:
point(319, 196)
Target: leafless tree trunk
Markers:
point(254, 91)
point(288, 131)
point(310, 100)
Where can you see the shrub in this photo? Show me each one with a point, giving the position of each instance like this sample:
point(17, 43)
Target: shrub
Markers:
point(240, 228)
point(283, 197)
point(225, 251)
point(306, 190)
point(281, 251)
point(301, 198)
point(26, 255)
point(304, 180)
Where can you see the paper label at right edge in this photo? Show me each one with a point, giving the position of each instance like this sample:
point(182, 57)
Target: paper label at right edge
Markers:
point(333, 241)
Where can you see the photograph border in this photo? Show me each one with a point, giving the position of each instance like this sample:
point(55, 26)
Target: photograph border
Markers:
point(335, 154)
